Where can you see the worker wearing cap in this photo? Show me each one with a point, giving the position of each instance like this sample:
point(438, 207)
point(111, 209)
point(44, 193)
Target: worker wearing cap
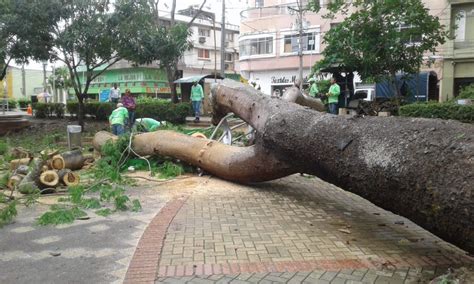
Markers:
point(117, 119)
point(146, 124)
point(197, 95)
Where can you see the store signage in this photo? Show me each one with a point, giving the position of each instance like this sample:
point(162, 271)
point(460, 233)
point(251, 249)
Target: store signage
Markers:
point(286, 80)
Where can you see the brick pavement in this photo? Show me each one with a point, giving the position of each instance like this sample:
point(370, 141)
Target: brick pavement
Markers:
point(297, 227)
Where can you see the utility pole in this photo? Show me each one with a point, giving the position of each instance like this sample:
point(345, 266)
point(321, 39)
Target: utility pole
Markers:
point(299, 21)
point(44, 76)
point(55, 98)
point(223, 40)
point(23, 81)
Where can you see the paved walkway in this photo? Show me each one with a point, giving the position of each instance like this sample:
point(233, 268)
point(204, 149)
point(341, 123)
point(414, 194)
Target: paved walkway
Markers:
point(296, 229)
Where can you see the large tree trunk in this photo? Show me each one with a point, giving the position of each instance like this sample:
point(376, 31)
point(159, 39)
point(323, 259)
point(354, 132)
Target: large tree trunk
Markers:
point(240, 164)
point(422, 169)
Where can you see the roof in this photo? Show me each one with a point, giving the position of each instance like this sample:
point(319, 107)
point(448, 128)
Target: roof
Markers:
point(192, 79)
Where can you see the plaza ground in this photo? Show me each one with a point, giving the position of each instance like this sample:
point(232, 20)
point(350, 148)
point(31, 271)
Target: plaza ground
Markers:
point(206, 230)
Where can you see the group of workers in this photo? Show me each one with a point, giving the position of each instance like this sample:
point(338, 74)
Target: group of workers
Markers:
point(331, 97)
point(124, 115)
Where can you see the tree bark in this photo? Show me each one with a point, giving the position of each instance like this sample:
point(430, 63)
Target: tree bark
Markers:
point(73, 160)
point(422, 169)
point(68, 177)
point(239, 164)
point(49, 178)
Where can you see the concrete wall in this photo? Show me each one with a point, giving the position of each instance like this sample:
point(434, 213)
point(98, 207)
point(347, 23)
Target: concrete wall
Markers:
point(33, 82)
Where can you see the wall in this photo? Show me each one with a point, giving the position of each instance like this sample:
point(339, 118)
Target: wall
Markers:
point(33, 82)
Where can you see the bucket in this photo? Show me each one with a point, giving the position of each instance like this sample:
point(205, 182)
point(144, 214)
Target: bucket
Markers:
point(74, 136)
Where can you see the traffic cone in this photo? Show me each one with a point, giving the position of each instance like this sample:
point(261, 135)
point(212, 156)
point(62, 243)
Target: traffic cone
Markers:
point(29, 110)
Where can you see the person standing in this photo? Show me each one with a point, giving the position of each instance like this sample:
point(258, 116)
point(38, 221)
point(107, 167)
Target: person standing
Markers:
point(117, 119)
point(333, 96)
point(114, 95)
point(128, 102)
point(313, 90)
point(197, 95)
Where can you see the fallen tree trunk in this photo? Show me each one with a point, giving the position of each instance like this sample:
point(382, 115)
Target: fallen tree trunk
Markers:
point(30, 182)
point(422, 169)
point(14, 164)
point(240, 164)
point(14, 180)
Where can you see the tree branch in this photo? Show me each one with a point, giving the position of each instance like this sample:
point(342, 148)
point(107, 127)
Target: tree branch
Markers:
point(197, 14)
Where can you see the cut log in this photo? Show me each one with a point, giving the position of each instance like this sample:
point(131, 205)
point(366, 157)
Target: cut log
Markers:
point(72, 160)
point(68, 177)
point(14, 181)
point(14, 164)
point(422, 169)
point(240, 164)
point(49, 178)
point(20, 153)
point(294, 95)
point(31, 183)
point(22, 170)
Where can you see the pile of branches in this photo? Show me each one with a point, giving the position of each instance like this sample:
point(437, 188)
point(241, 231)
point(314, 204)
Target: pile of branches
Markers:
point(46, 173)
point(373, 108)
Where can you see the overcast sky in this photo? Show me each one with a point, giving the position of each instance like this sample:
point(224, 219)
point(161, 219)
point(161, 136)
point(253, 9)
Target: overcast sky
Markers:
point(233, 9)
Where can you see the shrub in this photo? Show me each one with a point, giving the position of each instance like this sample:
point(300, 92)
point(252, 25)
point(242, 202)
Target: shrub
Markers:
point(467, 92)
point(23, 103)
point(146, 107)
point(48, 110)
point(12, 103)
point(464, 113)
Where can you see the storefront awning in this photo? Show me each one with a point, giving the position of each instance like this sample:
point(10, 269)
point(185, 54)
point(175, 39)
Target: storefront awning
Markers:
point(192, 79)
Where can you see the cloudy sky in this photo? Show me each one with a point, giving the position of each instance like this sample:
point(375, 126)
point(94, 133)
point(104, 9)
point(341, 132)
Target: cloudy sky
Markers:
point(233, 8)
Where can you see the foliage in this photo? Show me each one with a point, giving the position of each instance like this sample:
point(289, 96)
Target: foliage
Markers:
point(23, 103)
point(151, 41)
point(381, 38)
point(467, 92)
point(7, 213)
point(24, 32)
point(3, 147)
point(60, 215)
point(449, 110)
point(161, 110)
point(49, 110)
point(12, 103)
point(169, 169)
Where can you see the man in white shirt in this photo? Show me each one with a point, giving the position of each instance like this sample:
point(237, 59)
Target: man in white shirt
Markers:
point(114, 95)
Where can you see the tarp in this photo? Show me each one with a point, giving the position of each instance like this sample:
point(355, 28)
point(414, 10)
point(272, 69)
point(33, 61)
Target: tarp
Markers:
point(413, 87)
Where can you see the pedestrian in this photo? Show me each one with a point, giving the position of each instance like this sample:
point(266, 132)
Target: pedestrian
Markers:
point(333, 96)
point(146, 124)
point(313, 90)
point(117, 119)
point(128, 102)
point(197, 95)
point(114, 95)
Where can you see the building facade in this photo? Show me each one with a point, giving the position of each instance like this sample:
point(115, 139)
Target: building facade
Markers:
point(22, 84)
point(202, 59)
point(269, 44)
point(458, 53)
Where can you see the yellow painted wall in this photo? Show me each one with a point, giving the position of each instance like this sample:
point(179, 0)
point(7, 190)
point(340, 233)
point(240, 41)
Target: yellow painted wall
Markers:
point(9, 80)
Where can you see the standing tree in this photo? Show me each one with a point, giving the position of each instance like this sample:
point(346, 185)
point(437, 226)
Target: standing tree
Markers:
point(153, 40)
point(24, 33)
point(381, 38)
point(85, 41)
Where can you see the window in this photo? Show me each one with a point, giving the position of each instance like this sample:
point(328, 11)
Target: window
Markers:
point(203, 54)
point(204, 32)
point(229, 37)
point(256, 46)
point(409, 35)
point(259, 3)
point(290, 43)
point(460, 33)
point(229, 57)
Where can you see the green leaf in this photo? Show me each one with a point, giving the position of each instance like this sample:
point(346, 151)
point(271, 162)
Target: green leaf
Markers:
point(136, 206)
point(121, 202)
point(60, 215)
point(104, 212)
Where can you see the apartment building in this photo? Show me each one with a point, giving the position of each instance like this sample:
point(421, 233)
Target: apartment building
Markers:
point(269, 44)
point(22, 83)
point(458, 52)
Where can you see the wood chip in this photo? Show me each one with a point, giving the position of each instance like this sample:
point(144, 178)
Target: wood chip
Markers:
point(344, 231)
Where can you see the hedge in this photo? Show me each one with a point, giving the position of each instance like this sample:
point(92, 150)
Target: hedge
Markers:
point(49, 110)
point(464, 113)
point(156, 109)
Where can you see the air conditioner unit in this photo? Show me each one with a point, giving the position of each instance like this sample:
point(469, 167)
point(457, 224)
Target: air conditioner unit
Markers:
point(202, 39)
point(228, 66)
point(226, 44)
